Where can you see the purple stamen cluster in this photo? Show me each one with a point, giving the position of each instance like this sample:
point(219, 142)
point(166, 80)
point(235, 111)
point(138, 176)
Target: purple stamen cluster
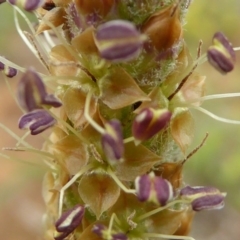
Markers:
point(32, 96)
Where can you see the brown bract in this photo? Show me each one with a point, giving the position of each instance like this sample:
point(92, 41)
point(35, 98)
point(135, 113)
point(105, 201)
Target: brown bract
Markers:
point(84, 42)
point(182, 128)
point(163, 28)
point(62, 63)
point(138, 161)
point(72, 153)
point(99, 191)
point(56, 17)
point(119, 89)
point(74, 104)
point(171, 172)
point(165, 222)
point(101, 7)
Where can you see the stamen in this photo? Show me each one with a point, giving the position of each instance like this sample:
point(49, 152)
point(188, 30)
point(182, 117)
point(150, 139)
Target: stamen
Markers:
point(33, 150)
point(218, 96)
point(22, 138)
point(63, 41)
point(157, 210)
point(236, 49)
point(18, 160)
point(87, 115)
point(29, 41)
point(21, 34)
point(11, 64)
point(29, 24)
point(119, 183)
point(15, 136)
point(220, 119)
point(201, 59)
point(38, 54)
point(68, 184)
point(68, 126)
point(110, 226)
point(49, 40)
point(129, 139)
point(159, 235)
point(12, 93)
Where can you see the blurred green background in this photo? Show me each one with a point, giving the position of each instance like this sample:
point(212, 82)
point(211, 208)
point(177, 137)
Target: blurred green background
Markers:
point(217, 163)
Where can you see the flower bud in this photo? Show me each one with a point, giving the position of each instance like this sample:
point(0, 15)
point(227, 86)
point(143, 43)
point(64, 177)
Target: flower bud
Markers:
point(203, 198)
point(70, 219)
point(28, 5)
point(32, 93)
point(149, 122)
point(112, 141)
point(37, 121)
point(118, 41)
point(153, 188)
point(221, 54)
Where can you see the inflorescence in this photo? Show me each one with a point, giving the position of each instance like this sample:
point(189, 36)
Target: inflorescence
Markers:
point(124, 84)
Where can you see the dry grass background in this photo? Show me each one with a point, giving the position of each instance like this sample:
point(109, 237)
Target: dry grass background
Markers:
point(21, 205)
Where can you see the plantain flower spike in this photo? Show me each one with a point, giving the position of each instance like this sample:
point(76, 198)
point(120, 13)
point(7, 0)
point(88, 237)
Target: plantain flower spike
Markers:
point(115, 94)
